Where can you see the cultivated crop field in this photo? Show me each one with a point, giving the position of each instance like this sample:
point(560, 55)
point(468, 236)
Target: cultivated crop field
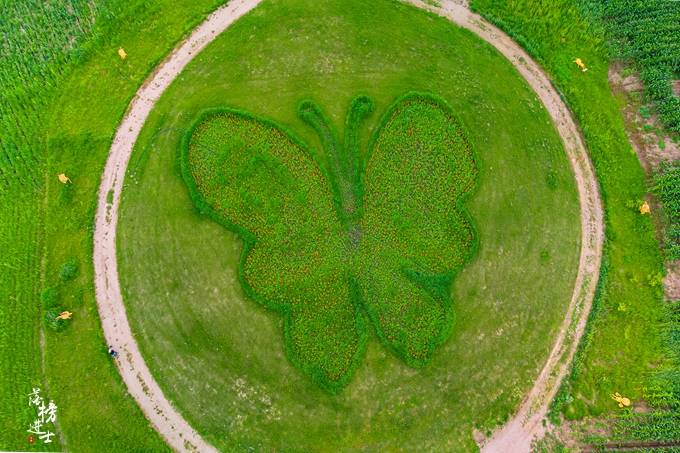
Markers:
point(36, 42)
point(51, 125)
point(332, 244)
point(19, 312)
point(344, 226)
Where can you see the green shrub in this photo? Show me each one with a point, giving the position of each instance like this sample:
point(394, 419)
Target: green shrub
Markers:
point(49, 298)
point(68, 271)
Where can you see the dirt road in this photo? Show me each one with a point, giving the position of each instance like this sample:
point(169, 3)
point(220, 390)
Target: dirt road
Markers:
point(527, 424)
point(518, 433)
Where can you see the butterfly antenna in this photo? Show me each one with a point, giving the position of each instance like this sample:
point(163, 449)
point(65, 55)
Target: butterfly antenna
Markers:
point(311, 114)
point(361, 107)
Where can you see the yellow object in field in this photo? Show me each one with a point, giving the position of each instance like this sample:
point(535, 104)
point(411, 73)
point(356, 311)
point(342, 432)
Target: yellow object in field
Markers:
point(65, 315)
point(64, 179)
point(644, 209)
point(622, 400)
point(580, 64)
point(122, 53)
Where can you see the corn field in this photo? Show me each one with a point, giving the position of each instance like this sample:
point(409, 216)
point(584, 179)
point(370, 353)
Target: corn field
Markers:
point(647, 32)
point(19, 313)
point(666, 186)
point(38, 40)
point(661, 423)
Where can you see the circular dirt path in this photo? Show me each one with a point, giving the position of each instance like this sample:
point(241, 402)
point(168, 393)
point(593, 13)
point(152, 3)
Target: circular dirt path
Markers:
point(517, 434)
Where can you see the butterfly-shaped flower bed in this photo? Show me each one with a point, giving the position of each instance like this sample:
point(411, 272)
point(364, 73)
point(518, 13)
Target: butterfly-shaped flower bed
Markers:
point(342, 241)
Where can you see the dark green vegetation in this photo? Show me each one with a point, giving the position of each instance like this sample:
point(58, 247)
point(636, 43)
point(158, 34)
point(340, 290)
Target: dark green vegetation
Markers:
point(660, 422)
point(36, 39)
point(667, 188)
point(199, 331)
point(626, 347)
point(20, 238)
point(63, 90)
point(647, 32)
point(349, 237)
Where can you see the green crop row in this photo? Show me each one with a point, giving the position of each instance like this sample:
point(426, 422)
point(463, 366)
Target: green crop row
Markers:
point(338, 238)
point(667, 188)
point(623, 341)
point(629, 427)
point(648, 32)
point(20, 364)
point(662, 422)
point(664, 391)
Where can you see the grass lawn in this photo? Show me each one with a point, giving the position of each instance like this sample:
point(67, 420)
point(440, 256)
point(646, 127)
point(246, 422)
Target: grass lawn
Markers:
point(220, 356)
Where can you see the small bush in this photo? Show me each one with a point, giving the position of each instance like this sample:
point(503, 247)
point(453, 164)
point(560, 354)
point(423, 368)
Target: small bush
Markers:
point(68, 271)
point(51, 320)
point(49, 298)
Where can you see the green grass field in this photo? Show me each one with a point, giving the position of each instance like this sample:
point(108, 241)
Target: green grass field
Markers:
point(330, 242)
point(61, 118)
point(624, 346)
point(220, 356)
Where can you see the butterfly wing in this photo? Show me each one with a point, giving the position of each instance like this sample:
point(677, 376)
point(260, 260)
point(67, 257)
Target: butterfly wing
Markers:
point(416, 233)
point(258, 180)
